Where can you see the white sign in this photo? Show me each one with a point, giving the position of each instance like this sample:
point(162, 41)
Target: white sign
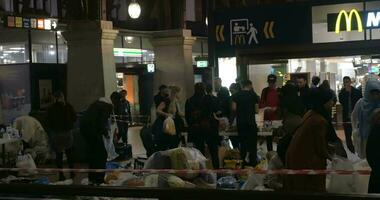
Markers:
point(373, 19)
point(151, 68)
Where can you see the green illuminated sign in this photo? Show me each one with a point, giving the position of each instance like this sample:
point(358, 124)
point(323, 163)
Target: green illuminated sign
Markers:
point(202, 63)
point(125, 52)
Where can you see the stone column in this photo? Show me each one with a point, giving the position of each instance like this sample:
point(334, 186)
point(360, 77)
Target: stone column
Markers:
point(91, 72)
point(174, 66)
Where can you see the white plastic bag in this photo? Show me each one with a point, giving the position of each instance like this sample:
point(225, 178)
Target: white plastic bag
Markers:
point(343, 184)
point(361, 181)
point(169, 126)
point(110, 147)
point(26, 162)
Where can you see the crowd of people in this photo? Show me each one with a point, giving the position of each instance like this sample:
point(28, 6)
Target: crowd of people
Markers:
point(308, 136)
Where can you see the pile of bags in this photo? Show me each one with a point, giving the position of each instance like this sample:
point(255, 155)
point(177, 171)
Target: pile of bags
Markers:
point(179, 159)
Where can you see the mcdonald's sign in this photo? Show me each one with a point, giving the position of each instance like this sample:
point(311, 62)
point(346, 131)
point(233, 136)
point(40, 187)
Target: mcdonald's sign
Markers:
point(239, 40)
point(353, 20)
point(348, 19)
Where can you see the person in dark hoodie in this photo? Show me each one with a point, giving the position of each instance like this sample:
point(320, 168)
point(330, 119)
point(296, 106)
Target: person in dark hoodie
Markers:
point(60, 123)
point(94, 125)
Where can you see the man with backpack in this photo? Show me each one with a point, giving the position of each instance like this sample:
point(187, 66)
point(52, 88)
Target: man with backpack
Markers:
point(270, 102)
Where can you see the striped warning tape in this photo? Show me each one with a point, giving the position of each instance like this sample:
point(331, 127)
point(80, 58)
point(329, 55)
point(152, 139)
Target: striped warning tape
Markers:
point(202, 171)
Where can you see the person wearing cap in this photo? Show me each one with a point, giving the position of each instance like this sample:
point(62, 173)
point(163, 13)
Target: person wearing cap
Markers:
point(270, 101)
point(308, 148)
point(61, 117)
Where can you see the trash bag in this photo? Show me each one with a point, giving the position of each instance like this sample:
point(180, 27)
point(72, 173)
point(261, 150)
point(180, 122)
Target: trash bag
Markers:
point(274, 181)
point(169, 126)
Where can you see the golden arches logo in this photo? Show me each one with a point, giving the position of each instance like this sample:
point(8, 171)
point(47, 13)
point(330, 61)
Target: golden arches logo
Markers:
point(348, 18)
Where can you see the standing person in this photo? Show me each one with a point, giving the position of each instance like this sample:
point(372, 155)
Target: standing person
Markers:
point(126, 117)
point(168, 107)
point(235, 88)
point(304, 92)
point(270, 102)
point(162, 95)
point(308, 147)
point(245, 105)
point(210, 126)
point(60, 123)
point(94, 126)
point(348, 97)
point(291, 113)
point(315, 82)
point(223, 97)
point(373, 154)
point(361, 115)
point(326, 86)
point(193, 114)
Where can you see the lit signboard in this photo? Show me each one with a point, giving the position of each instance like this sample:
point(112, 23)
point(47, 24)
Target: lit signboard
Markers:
point(126, 52)
point(353, 20)
point(151, 68)
point(31, 23)
point(202, 64)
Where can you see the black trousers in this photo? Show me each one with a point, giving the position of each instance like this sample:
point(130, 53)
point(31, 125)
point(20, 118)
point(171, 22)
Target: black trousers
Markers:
point(97, 158)
point(211, 138)
point(348, 134)
point(374, 182)
point(248, 143)
point(59, 162)
point(123, 131)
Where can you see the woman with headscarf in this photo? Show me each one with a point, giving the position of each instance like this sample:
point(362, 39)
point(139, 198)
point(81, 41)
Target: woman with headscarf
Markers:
point(308, 148)
point(361, 115)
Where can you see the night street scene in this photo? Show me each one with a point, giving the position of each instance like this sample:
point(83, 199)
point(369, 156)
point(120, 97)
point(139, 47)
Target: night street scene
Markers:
point(189, 99)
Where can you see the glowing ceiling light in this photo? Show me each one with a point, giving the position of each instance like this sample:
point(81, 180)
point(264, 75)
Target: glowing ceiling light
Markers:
point(134, 10)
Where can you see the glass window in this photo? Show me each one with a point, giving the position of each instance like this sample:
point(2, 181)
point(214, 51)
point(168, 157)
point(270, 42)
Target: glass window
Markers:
point(118, 44)
point(13, 46)
point(131, 42)
point(62, 48)
point(43, 47)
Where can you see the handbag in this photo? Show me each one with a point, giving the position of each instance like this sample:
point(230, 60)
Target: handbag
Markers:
point(169, 126)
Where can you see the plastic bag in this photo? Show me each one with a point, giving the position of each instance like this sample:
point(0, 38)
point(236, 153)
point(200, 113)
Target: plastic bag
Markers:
point(169, 126)
point(341, 183)
point(26, 162)
point(361, 181)
point(253, 181)
point(228, 182)
point(110, 147)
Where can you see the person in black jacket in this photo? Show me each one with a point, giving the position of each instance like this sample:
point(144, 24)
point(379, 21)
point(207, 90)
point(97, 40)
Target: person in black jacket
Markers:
point(94, 125)
point(193, 113)
point(348, 97)
point(210, 126)
point(60, 123)
point(125, 117)
point(304, 93)
point(224, 99)
point(373, 154)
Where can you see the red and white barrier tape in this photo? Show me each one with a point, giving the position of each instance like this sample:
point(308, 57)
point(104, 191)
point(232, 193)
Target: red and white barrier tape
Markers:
point(220, 171)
